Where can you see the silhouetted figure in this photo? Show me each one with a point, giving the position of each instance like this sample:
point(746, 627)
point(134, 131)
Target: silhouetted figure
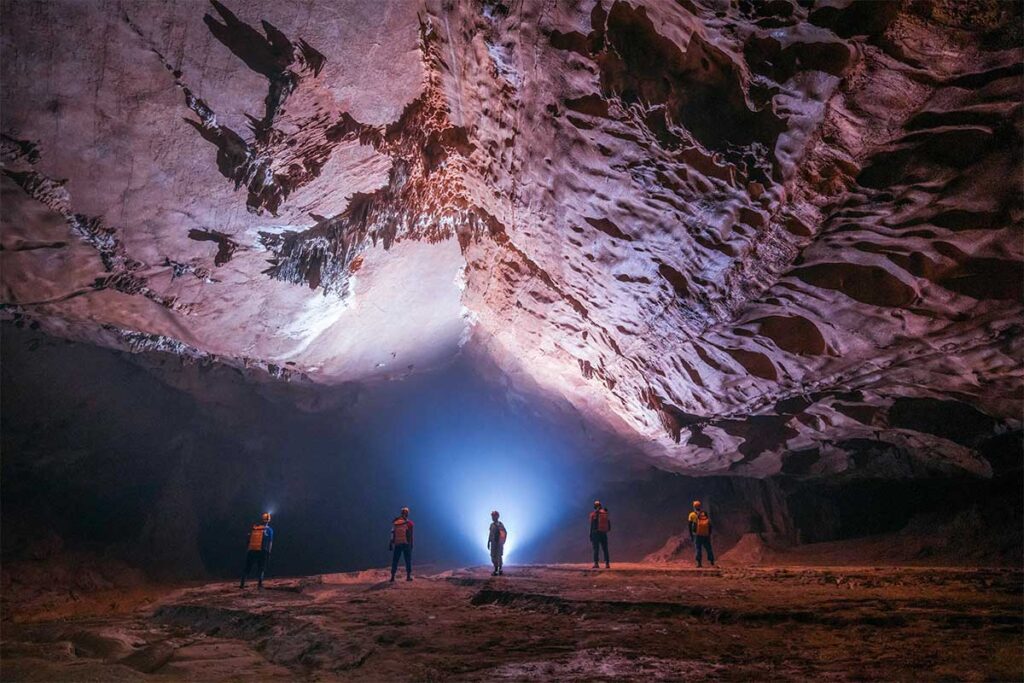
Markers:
point(401, 543)
point(700, 533)
point(261, 541)
point(600, 525)
point(496, 543)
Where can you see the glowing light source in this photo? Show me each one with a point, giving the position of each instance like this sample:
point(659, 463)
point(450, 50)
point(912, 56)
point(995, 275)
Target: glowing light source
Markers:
point(522, 487)
point(517, 489)
point(464, 448)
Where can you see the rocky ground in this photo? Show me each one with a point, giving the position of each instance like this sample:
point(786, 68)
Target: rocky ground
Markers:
point(561, 622)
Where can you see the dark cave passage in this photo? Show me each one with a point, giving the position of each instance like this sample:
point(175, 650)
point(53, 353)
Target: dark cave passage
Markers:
point(145, 462)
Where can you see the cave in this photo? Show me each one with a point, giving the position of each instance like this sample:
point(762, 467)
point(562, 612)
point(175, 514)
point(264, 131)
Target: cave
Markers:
point(324, 268)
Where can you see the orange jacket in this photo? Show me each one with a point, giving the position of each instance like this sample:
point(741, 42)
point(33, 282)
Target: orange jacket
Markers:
point(401, 531)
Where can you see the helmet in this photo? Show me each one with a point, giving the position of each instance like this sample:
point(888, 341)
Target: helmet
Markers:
point(266, 516)
point(597, 504)
point(494, 513)
point(696, 503)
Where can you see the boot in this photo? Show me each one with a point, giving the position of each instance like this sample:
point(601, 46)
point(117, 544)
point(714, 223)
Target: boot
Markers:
point(607, 565)
point(596, 566)
point(409, 578)
point(392, 578)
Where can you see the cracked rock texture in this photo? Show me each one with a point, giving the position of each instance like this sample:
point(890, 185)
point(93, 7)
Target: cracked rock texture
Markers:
point(751, 237)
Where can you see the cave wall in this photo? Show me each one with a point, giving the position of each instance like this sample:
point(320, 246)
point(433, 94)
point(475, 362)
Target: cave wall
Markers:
point(115, 462)
point(103, 454)
point(783, 278)
point(750, 237)
point(164, 464)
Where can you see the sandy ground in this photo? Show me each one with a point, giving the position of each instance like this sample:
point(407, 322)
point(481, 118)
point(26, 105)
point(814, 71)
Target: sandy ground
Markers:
point(552, 622)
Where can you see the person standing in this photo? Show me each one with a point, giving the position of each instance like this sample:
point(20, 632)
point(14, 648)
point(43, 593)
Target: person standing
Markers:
point(600, 525)
point(261, 541)
point(700, 533)
point(401, 543)
point(496, 543)
point(692, 521)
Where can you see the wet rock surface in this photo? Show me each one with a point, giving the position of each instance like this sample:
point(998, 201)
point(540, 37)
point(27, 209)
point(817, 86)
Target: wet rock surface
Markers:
point(565, 622)
point(750, 237)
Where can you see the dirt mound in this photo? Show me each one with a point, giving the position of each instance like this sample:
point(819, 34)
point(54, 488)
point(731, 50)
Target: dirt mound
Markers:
point(676, 549)
point(50, 581)
point(965, 540)
point(751, 549)
point(974, 536)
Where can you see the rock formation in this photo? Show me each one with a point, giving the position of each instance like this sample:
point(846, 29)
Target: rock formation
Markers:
point(750, 237)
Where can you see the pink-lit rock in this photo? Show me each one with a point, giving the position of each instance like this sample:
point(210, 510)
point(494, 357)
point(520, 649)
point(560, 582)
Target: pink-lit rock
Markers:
point(751, 238)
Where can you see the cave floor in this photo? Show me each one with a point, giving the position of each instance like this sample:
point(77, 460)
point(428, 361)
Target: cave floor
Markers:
point(555, 622)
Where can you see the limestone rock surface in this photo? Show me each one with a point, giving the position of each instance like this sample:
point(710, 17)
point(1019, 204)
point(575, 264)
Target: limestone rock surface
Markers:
point(751, 237)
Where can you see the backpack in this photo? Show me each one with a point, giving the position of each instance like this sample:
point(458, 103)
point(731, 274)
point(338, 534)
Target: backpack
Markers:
point(703, 524)
point(502, 534)
point(400, 531)
point(256, 537)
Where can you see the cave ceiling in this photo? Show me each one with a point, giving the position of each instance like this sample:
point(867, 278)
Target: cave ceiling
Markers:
point(746, 237)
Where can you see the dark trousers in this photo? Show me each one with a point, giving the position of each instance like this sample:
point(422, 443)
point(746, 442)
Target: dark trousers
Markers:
point(496, 558)
point(702, 542)
point(402, 549)
point(599, 539)
point(257, 558)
